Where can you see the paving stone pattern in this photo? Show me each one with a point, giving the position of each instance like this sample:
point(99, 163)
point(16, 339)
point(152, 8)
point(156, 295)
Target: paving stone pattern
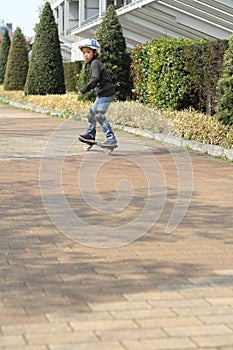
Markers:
point(162, 291)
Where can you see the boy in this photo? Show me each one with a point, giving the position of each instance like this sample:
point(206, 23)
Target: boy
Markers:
point(104, 89)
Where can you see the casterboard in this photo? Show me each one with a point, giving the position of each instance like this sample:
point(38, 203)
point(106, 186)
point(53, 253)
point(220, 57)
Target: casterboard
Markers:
point(88, 145)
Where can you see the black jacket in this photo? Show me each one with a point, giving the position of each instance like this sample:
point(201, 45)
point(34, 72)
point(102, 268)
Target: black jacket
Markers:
point(100, 80)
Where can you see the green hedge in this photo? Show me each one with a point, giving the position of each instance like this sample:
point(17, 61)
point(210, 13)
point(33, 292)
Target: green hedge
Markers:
point(71, 71)
point(178, 73)
point(225, 88)
point(82, 80)
point(203, 64)
point(167, 79)
point(140, 68)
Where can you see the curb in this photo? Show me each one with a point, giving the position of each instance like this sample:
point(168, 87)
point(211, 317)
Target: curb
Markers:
point(213, 150)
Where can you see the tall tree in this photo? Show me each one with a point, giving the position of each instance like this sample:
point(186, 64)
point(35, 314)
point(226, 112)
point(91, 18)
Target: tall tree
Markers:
point(46, 71)
point(225, 88)
point(17, 63)
point(4, 52)
point(113, 53)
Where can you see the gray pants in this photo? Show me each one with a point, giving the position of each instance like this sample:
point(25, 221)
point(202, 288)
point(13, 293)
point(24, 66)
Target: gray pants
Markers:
point(97, 114)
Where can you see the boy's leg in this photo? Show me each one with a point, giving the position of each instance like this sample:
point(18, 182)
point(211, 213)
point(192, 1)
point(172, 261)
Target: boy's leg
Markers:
point(100, 107)
point(97, 113)
point(106, 127)
point(92, 123)
point(91, 130)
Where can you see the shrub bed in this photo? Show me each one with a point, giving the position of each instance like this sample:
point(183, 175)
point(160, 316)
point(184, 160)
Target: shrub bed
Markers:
point(187, 124)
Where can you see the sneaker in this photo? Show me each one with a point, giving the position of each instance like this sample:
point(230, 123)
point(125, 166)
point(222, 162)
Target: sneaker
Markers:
point(110, 142)
point(86, 137)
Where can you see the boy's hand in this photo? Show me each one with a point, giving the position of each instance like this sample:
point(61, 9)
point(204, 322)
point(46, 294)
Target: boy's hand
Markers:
point(79, 93)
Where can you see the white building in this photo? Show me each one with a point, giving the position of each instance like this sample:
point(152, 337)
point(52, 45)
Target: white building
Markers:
point(144, 20)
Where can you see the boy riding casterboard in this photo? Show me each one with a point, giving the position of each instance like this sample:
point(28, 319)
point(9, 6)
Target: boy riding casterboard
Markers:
point(102, 84)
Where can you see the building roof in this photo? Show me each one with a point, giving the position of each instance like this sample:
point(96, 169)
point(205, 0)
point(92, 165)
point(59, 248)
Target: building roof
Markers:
point(144, 20)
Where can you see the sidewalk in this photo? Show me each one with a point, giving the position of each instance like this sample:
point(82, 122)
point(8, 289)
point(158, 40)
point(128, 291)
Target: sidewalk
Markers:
point(63, 288)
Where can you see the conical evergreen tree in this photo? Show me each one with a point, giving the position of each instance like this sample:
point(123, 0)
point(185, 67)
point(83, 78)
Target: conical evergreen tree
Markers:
point(225, 88)
point(17, 63)
point(4, 52)
point(46, 71)
point(113, 53)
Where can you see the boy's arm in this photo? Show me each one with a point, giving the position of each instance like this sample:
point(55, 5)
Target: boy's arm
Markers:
point(95, 78)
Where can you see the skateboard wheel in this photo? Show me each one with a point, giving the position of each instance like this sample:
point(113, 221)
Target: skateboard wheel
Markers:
point(108, 151)
point(87, 147)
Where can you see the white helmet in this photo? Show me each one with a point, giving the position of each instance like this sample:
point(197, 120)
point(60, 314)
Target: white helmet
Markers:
point(92, 43)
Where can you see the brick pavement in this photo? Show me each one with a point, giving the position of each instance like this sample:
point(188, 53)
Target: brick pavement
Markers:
point(161, 291)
